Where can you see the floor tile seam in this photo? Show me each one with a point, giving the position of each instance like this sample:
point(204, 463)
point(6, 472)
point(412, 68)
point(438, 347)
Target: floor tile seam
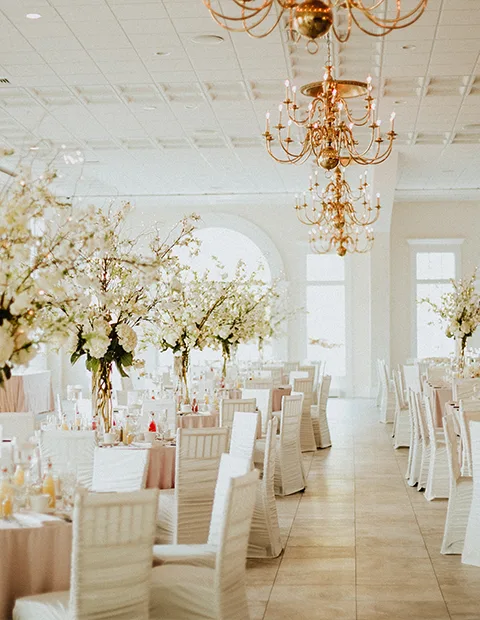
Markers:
point(424, 541)
point(355, 516)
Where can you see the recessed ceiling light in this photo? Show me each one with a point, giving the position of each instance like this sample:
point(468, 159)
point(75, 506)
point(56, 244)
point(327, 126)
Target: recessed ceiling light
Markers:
point(33, 16)
point(149, 108)
point(207, 39)
point(409, 47)
point(162, 53)
point(472, 127)
point(399, 101)
point(34, 148)
point(190, 106)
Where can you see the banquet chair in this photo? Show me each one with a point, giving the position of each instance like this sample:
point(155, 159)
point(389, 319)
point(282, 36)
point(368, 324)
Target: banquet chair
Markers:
point(387, 405)
point(259, 384)
point(230, 406)
point(415, 453)
point(204, 554)
point(460, 494)
point(69, 451)
point(119, 470)
point(438, 469)
point(263, 399)
point(297, 374)
point(288, 367)
point(265, 540)
point(471, 547)
point(411, 374)
point(378, 400)
point(289, 475)
point(184, 512)
point(218, 592)
point(401, 422)
point(424, 442)
point(111, 561)
point(436, 374)
point(277, 374)
point(307, 437)
point(469, 410)
point(310, 369)
point(18, 424)
point(243, 435)
point(319, 414)
point(465, 388)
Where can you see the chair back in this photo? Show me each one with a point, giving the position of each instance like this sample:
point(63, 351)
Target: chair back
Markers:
point(118, 470)
point(69, 451)
point(232, 549)
point(230, 467)
point(198, 455)
point(465, 388)
point(230, 406)
point(269, 460)
point(263, 398)
point(421, 416)
point(297, 374)
point(411, 374)
point(469, 411)
point(18, 424)
point(112, 555)
point(429, 419)
point(310, 370)
point(436, 374)
point(304, 385)
point(324, 392)
point(243, 435)
point(259, 384)
point(452, 446)
point(290, 419)
point(276, 374)
point(289, 367)
point(397, 386)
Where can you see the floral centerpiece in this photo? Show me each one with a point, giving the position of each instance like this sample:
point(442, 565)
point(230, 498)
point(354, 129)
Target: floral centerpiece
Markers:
point(39, 244)
point(459, 312)
point(116, 296)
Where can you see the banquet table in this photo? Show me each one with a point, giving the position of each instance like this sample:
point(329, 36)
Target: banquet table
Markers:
point(161, 466)
point(34, 559)
point(30, 390)
point(277, 394)
point(438, 395)
point(197, 420)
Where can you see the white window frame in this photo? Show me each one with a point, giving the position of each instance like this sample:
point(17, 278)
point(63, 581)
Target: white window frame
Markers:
point(418, 246)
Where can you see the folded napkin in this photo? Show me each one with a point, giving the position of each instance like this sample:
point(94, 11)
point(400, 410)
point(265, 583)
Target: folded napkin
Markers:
point(35, 519)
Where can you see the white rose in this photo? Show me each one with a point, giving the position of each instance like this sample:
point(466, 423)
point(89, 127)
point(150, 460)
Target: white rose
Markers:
point(7, 345)
point(170, 338)
point(126, 337)
point(97, 345)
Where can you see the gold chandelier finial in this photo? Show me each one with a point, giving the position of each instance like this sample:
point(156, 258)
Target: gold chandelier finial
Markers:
point(336, 222)
point(328, 126)
point(312, 19)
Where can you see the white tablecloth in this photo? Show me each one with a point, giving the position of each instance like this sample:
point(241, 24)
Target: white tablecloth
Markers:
point(28, 391)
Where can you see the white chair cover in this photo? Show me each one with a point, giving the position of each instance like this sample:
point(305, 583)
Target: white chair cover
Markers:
point(436, 374)
point(438, 471)
point(469, 410)
point(387, 405)
point(415, 453)
point(230, 406)
point(265, 540)
point(307, 437)
point(218, 593)
point(424, 442)
point(263, 398)
point(18, 424)
point(319, 414)
point(111, 562)
point(259, 384)
point(185, 512)
point(464, 388)
point(119, 470)
point(69, 451)
point(298, 374)
point(460, 494)
point(411, 375)
point(243, 435)
point(401, 424)
point(289, 367)
point(471, 549)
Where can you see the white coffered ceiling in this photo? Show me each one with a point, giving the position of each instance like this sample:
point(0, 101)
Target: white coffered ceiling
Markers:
point(122, 85)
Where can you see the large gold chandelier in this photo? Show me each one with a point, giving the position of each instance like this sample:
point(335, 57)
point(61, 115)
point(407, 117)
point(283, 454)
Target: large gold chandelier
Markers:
point(335, 221)
point(328, 125)
point(314, 18)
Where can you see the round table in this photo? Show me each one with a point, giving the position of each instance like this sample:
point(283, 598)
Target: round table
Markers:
point(161, 466)
point(198, 420)
point(35, 559)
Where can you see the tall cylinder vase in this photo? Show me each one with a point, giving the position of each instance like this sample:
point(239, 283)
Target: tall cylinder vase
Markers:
point(180, 366)
point(102, 405)
point(460, 346)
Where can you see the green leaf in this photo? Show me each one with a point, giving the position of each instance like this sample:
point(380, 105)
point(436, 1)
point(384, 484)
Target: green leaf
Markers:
point(92, 364)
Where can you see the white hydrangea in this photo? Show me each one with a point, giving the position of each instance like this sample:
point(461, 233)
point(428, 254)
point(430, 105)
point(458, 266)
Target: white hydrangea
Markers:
point(7, 344)
point(127, 337)
point(97, 345)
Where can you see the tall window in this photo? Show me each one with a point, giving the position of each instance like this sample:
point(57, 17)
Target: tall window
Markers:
point(326, 311)
point(434, 268)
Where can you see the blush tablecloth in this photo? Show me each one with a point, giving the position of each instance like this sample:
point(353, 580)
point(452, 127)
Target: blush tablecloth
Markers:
point(33, 560)
point(278, 394)
point(28, 391)
point(198, 420)
point(161, 467)
point(439, 395)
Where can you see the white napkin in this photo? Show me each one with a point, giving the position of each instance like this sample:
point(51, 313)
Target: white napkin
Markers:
point(35, 519)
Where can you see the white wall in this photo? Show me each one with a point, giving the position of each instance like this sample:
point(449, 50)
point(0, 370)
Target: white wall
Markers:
point(425, 220)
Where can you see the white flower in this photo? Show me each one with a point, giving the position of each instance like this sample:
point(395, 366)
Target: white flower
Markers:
point(7, 344)
point(170, 338)
point(126, 337)
point(20, 304)
point(24, 356)
point(97, 345)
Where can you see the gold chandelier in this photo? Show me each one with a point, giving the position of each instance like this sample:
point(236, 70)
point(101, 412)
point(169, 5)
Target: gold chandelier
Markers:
point(314, 18)
point(335, 221)
point(328, 125)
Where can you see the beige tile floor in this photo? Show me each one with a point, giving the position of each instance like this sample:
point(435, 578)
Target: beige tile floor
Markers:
point(360, 543)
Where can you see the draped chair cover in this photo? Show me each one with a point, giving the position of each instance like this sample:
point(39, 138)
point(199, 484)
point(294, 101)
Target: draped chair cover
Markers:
point(186, 592)
point(111, 561)
point(263, 399)
point(307, 437)
point(471, 548)
point(265, 540)
point(424, 442)
point(184, 512)
point(318, 413)
point(230, 406)
point(464, 388)
point(243, 435)
point(401, 424)
point(415, 453)
point(119, 470)
point(460, 494)
point(387, 404)
point(469, 410)
point(438, 470)
point(69, 451)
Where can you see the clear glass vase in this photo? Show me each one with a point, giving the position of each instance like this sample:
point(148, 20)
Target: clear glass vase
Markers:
point(460, 346)
point(102, 405)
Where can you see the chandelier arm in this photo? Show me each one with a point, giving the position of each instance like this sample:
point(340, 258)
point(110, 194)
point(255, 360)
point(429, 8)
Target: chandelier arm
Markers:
point(386, 22)
point(245, 20)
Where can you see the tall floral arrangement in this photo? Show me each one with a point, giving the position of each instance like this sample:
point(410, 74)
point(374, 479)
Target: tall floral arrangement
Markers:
point(459, 312)
point(117, 296)
point(40, 240)
point(188, 318)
